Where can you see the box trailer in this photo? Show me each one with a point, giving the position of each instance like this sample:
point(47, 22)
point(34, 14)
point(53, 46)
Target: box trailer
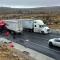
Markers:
point(14, 25)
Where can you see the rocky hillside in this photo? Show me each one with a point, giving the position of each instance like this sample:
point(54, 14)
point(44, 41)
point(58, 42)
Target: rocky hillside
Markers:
point(42, 10)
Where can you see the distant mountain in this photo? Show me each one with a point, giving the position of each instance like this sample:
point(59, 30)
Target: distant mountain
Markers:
point(42, 10)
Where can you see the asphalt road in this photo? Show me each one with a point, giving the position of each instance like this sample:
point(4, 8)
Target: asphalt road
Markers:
point(38, 42)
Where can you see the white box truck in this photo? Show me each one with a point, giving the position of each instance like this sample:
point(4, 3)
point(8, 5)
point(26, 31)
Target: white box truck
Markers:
point(14, 25)
point(36, 26)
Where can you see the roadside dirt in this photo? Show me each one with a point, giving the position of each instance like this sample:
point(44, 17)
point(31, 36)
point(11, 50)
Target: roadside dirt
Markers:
point(10, 53)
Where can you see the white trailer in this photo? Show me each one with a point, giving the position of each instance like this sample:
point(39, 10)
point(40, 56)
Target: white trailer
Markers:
point(14, 25)
point(36, 26)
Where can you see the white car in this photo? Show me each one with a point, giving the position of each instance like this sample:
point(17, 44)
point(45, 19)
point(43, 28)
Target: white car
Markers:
point(54, 42)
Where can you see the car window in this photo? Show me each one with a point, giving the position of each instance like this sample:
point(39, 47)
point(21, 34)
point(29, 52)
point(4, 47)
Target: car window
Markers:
point(57, 40)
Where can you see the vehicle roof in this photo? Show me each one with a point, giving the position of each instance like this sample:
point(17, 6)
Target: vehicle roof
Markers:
point(11, 20)
point(40, 22)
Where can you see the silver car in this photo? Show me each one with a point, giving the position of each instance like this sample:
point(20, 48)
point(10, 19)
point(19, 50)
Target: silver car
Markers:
point(54, 42)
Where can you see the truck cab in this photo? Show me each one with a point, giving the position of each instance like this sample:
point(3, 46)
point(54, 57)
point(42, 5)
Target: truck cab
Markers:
point(40, 27)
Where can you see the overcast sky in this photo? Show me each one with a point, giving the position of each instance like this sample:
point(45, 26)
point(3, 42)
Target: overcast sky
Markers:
point(29, 3)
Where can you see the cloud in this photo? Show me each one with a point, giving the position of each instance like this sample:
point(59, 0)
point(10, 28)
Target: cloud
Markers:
point(30, 3)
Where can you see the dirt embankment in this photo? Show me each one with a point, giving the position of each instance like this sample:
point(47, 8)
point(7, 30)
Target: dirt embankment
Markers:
point(9, 53)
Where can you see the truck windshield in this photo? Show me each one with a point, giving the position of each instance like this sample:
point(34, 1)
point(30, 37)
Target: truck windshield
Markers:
point(42, 26)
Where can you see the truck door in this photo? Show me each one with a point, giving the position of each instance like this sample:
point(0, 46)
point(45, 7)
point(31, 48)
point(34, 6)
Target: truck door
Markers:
point(40, 28)
point(36, 27)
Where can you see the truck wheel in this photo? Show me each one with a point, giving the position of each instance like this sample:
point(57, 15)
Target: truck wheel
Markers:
point(42, 32)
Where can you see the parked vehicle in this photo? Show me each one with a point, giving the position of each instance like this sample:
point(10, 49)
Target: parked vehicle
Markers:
point(36, 26)
point(14, 25)
point(54, 42)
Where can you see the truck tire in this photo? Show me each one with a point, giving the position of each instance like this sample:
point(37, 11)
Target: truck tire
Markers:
point(42, 32)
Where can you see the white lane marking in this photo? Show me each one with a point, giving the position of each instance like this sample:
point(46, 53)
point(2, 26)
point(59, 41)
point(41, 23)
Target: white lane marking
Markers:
point(47, 48)
point(54, 35)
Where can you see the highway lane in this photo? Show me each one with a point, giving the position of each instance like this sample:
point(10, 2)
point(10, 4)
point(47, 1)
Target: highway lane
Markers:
point(40, 42)
point(39, 38)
